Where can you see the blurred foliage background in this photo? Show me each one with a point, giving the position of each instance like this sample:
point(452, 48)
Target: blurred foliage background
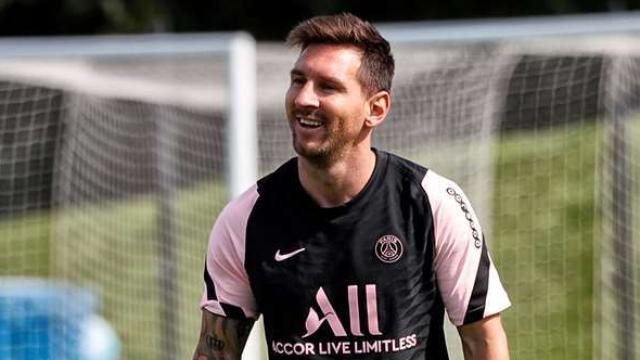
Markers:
point(266, 20)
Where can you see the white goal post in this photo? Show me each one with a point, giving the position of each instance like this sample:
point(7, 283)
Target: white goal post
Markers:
point(614, 39)
point(70, 52)
point(152, 75)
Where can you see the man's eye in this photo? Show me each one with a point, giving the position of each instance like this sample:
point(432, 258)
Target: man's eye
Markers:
point(328, 87)
point(297, 80)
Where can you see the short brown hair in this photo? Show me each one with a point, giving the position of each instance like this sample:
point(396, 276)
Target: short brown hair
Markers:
point(377, 67)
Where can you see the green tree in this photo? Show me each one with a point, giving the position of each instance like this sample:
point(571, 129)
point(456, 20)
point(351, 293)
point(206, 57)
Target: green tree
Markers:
point(266, 20)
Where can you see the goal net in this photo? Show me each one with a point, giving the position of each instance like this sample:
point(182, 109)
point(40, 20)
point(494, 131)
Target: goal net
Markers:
point(541, 133)
point(113, 169)
point(114, 166)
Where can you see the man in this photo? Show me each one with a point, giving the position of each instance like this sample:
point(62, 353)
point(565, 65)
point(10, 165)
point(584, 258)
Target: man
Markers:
point(347, 251)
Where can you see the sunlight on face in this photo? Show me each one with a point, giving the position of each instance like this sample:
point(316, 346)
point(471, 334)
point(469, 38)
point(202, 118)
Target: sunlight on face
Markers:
point(325, 103)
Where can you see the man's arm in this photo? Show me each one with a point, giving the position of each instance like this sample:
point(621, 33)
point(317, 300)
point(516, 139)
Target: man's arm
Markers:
point(221, 338)
point(484, 339)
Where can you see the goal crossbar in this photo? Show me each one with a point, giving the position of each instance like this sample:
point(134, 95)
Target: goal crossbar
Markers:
point(466, 31)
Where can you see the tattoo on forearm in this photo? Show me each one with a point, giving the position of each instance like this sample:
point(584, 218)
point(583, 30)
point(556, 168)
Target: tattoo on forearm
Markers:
point(214, 343)
point(222, 338)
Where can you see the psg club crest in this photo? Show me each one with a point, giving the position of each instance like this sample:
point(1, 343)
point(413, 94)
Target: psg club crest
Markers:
point(389, 249)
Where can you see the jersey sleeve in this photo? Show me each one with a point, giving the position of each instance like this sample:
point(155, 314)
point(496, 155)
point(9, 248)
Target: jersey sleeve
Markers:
point(467, 279)
point(227, 291)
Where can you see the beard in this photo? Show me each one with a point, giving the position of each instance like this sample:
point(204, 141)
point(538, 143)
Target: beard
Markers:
point(322, 156)
point(335, 142)
point(327, 152)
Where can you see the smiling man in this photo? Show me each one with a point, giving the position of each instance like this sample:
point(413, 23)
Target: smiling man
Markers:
point(348, 252)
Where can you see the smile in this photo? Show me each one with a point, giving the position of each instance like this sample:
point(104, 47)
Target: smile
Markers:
point(309, 123)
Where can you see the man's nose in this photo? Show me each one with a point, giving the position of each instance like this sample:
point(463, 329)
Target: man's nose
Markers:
point(306, 96)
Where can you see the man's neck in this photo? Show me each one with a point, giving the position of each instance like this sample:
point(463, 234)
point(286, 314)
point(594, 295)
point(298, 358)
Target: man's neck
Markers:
point(340, 181)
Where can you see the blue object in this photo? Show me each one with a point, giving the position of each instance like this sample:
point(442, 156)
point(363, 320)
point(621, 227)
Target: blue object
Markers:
point(42, 319)
point(99, 341)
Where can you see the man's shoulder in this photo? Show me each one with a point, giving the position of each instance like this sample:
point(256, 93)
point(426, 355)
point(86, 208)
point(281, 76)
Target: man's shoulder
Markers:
point(280, 179)
point(275, 182)
point(238, 209)
point(431, 181)
point(405, 168)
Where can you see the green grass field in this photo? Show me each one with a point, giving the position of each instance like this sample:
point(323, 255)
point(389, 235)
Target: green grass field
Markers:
point(543, 231)
point(543, 240)
point(111, 249)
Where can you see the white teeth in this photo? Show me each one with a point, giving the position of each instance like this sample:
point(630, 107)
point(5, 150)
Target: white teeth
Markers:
point(308, 122)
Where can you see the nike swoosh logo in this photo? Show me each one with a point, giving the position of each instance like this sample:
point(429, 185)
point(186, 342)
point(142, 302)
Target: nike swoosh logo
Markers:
point(282, 257)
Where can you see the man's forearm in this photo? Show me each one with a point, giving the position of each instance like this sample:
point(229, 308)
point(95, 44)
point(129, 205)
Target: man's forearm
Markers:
point(221, 338)
point(484, 340)
point(211, 347)
point(487, 349)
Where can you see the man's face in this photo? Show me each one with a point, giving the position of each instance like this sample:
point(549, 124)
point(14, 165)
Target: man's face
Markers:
point(325, 103)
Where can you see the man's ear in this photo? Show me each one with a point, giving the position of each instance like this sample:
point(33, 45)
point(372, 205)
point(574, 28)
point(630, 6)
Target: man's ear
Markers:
point(378, 107)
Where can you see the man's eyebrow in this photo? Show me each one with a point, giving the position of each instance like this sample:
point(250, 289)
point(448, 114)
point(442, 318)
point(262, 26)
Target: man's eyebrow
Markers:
point(333, 80)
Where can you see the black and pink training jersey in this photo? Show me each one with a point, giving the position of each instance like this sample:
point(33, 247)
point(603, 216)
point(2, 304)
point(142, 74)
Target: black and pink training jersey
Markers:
point(369, 279)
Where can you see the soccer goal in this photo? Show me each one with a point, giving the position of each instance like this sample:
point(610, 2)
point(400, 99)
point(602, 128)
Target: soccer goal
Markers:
point(117, 153)
point(537, 119)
